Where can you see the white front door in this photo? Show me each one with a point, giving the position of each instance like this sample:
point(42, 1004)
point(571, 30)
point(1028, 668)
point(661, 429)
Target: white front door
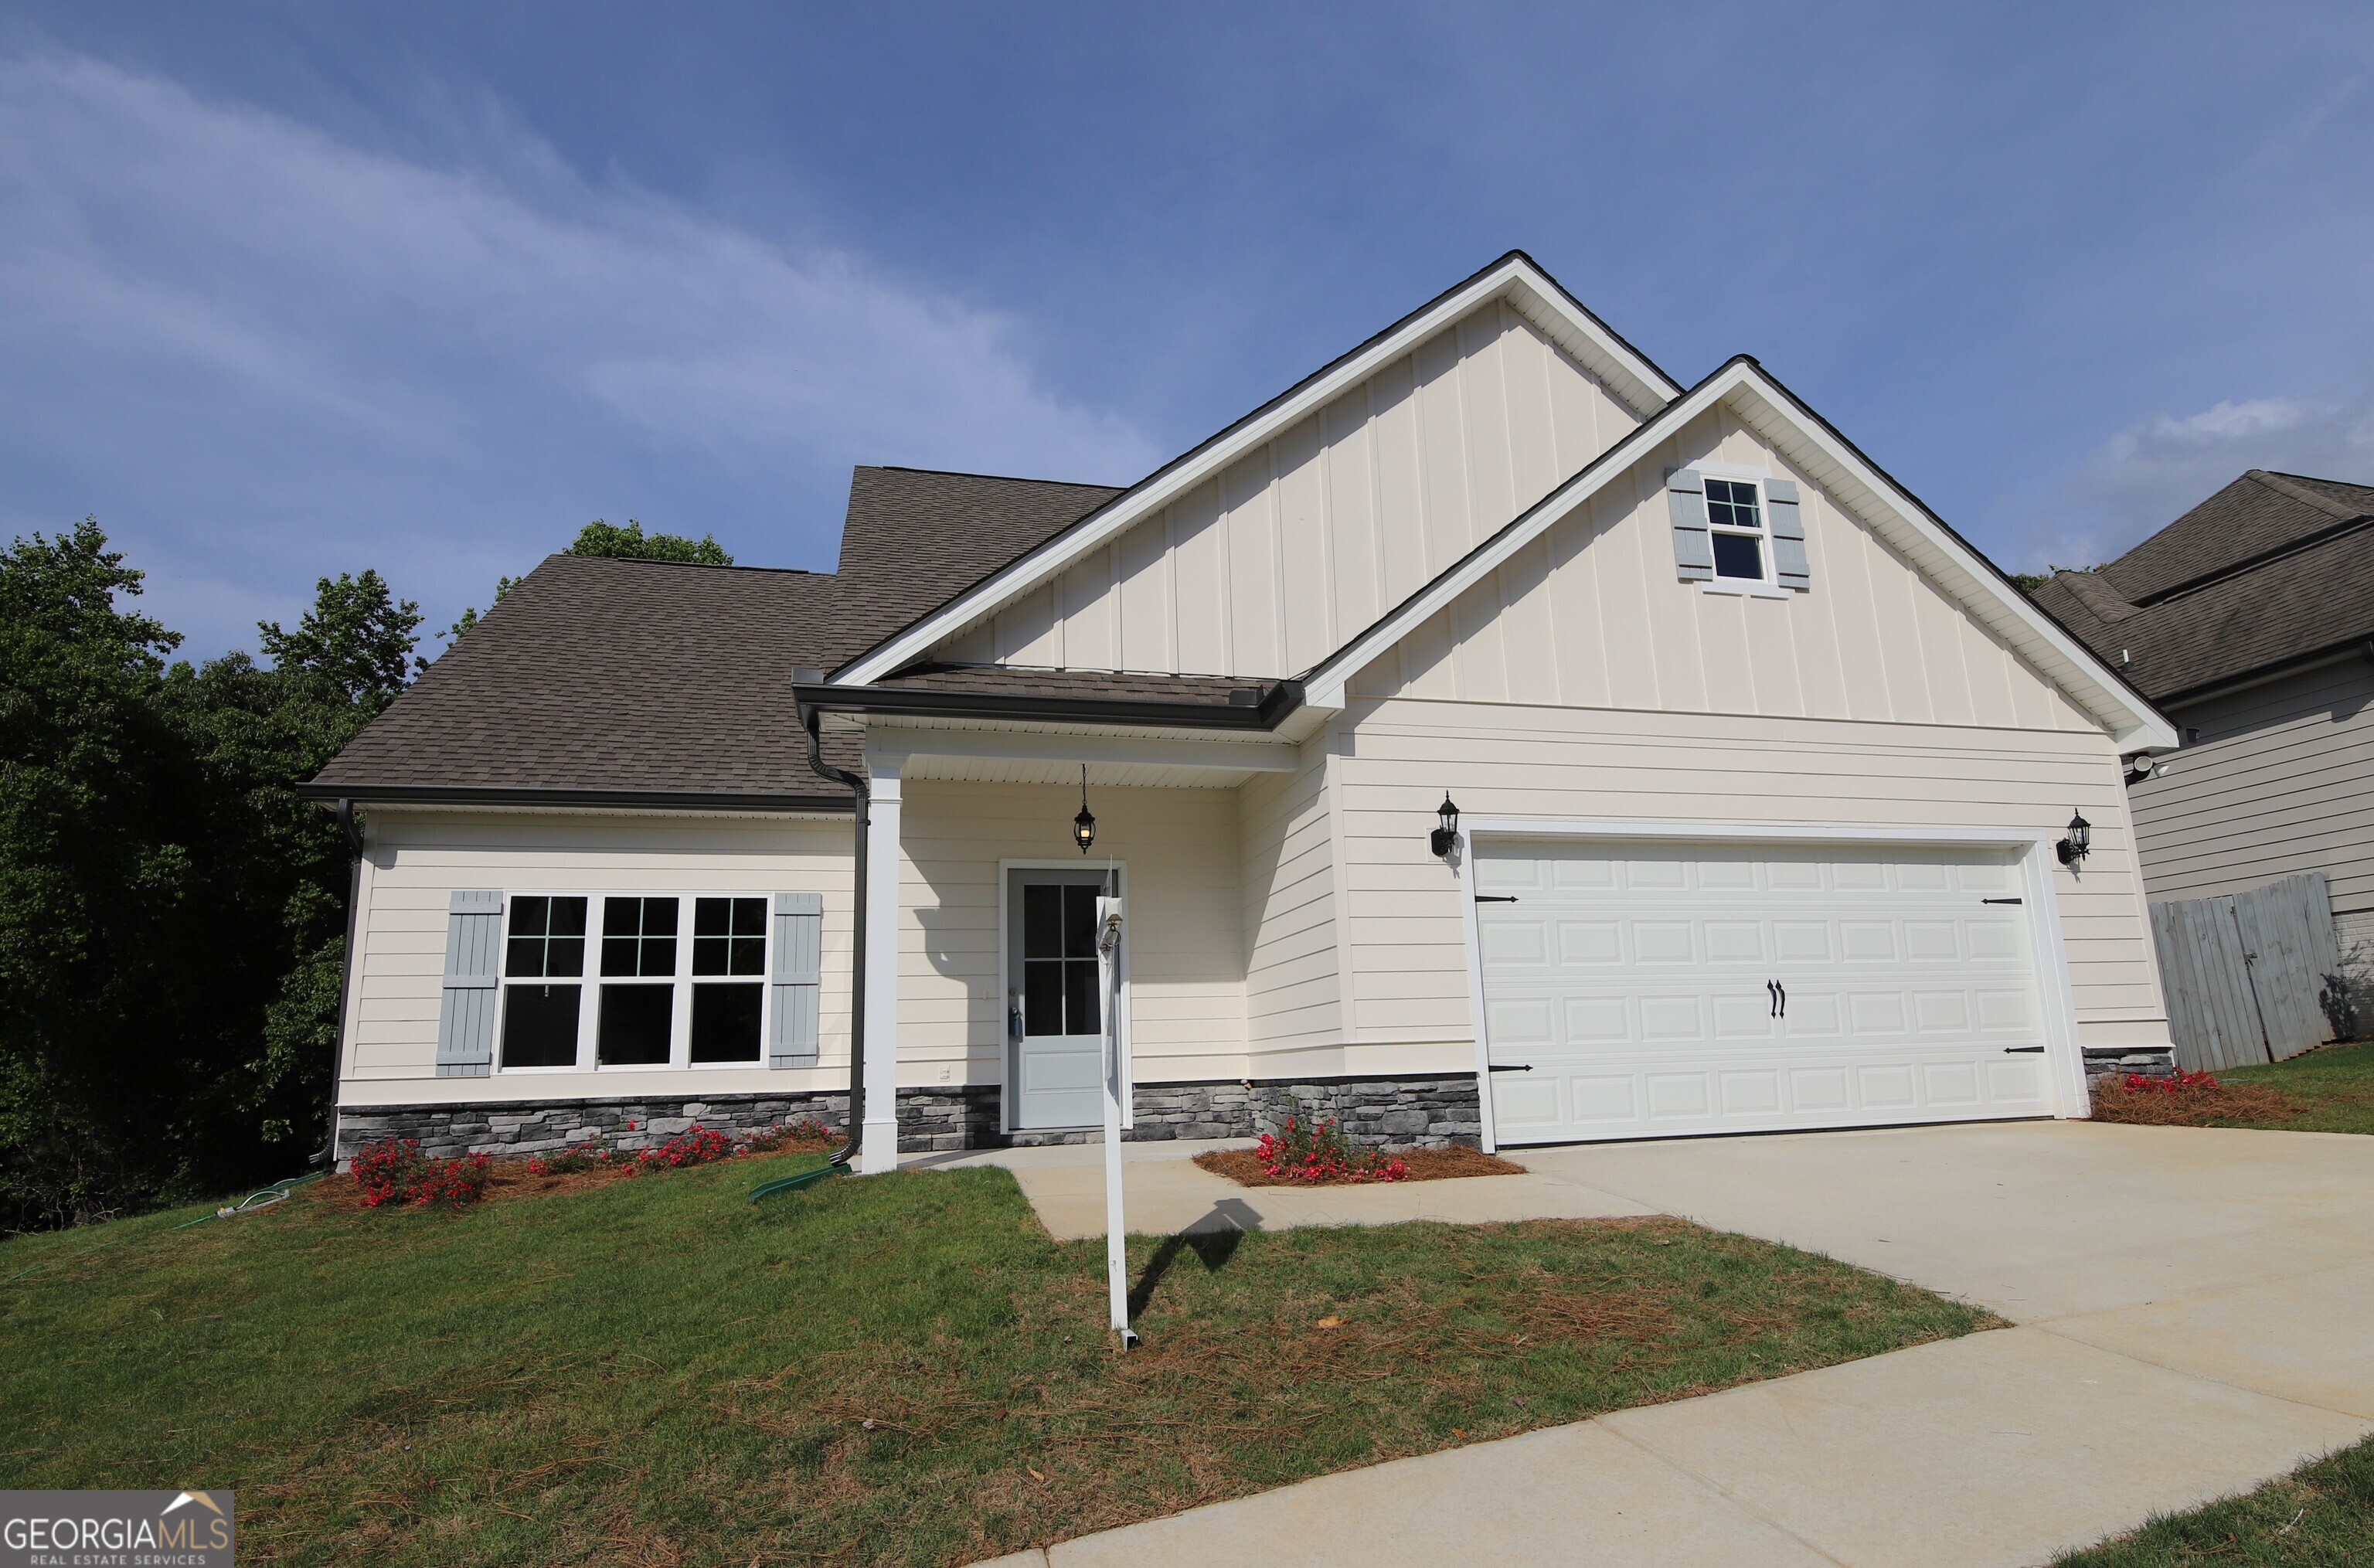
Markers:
point(1639, 991)
point(1055, 1019)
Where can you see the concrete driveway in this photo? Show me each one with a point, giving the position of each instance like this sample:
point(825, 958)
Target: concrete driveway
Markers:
point(2193, 1312)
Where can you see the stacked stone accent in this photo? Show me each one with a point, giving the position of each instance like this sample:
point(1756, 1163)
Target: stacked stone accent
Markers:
point(540, 1127)
point(1398, 1112)
point(2117, 1062)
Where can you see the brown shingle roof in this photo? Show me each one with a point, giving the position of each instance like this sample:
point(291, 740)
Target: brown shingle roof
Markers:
point(2273, 568)
point(915, 538)
point(644, 675)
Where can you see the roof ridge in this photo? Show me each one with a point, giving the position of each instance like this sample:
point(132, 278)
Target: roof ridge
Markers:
point(695, 565)
point(1000, 478)
point(2285, 484)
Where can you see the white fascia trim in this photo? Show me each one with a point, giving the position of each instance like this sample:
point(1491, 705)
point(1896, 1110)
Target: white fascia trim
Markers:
point(1896, 516)
point(1023, 746)
point(1531, 293)
point(1751, 833)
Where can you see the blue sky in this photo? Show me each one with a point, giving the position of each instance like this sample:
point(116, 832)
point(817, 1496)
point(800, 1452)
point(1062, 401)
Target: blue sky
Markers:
point(293, 288)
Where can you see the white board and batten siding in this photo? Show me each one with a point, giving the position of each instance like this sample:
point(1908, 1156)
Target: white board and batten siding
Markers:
point(1304, 543)
point(424, 1002)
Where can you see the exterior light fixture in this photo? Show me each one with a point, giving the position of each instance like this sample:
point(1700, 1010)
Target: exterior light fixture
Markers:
point(2074, 848)
point(1084, 826)
point(1446, 837)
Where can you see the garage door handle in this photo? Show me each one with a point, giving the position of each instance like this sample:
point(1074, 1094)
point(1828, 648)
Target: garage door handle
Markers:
point(1495, 898)
point(1524, 1067)
point(2023, 1050)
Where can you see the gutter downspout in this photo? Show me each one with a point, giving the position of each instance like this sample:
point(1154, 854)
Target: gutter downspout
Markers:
point(328, 1157)
point(811, 724)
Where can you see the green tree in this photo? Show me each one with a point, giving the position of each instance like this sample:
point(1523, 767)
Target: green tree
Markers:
point(631, 543)
point(171, 915)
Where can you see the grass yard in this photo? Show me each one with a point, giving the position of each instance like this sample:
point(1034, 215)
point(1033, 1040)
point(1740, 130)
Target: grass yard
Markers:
point(2333, 1087)
point(892, 1370)
point(2320, 1516)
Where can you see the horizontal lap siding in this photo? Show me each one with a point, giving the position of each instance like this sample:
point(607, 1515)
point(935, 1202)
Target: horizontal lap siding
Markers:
point(1186, 958)
point(1402, 914)
point(2276, 784)
point(1304, 543)
point(417, 862)
point(1293, 987)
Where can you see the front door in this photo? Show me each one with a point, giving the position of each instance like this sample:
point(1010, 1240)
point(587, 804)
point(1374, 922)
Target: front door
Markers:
point(1054, 1014)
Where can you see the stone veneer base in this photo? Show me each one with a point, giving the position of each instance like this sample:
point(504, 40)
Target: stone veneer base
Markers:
point(1399, 1113)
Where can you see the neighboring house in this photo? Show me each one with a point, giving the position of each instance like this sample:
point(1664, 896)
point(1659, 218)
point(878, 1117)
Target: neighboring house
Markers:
point(2250, 621)
point(1761, 770)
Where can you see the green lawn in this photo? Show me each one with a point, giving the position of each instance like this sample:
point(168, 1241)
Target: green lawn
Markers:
point(2335, 1085)
point(897, 1368)
point(2320, 1516)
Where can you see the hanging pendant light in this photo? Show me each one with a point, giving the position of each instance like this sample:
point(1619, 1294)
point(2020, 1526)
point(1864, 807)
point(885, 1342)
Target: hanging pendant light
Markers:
point(1084, 826)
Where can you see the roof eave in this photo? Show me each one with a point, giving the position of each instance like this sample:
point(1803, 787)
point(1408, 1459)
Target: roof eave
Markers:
point(1281, 699)
point(328, 792)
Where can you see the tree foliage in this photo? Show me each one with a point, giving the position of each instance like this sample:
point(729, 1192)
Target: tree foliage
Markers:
point(631, 543)
point(171, 915)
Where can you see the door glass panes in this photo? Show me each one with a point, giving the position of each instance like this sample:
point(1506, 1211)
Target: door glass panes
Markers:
point(729, 935)
point(1059, 961)
point(638, 937)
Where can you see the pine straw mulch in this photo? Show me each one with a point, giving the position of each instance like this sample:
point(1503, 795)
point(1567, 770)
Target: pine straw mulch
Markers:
point(511, 1178)
point(1243, 1166)
point(2114, 1101)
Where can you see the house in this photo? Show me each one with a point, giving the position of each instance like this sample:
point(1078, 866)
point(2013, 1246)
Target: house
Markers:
point(2250, 621)
point(1760, 774)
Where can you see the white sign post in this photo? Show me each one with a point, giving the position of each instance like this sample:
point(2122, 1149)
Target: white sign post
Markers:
point(1108, 921)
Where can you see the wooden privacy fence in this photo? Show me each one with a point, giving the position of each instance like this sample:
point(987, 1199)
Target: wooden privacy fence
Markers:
point(2250, 976)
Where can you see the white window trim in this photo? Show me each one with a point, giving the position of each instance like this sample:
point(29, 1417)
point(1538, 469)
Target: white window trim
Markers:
point(589, 1005)
point(1768, 585)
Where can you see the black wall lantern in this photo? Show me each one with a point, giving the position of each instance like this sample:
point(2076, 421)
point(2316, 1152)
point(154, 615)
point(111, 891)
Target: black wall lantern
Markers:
point(1446, 837)
point(1084, 826)
point(2080, 839)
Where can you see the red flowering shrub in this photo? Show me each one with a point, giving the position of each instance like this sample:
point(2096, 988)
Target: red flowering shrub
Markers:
point(695, 1145)
point(1316, 1151)
point(394, 1171)
point(766, 1140)
point(596, 1153)
point(2141, 1083)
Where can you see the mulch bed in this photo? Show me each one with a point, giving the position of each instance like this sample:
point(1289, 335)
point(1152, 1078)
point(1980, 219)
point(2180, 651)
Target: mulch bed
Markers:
point(2113, 1101)
point(511, 1178)
point(1243, 1166)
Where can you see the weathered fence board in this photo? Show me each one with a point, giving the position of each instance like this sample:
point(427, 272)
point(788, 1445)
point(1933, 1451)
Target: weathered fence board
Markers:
point(2249, 977)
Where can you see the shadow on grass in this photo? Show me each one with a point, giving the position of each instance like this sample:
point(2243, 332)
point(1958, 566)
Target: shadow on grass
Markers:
point(1214, 1247)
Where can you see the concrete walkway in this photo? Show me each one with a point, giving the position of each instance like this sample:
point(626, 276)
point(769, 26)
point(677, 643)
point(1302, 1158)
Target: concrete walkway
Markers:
point(2194, 1312)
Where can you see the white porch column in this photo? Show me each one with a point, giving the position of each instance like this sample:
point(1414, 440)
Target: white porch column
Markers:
point(879, 1149)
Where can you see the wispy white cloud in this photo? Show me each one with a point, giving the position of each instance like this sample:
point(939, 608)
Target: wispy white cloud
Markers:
point(2153, 472)
point(261, 353)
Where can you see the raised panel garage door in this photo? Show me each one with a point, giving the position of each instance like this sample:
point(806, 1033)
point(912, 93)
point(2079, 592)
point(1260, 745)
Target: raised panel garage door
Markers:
point(1635, 990)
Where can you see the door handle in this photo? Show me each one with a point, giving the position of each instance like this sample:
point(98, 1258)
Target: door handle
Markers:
point(1784, 997)
point(1522, 1068)
point(1779, 995)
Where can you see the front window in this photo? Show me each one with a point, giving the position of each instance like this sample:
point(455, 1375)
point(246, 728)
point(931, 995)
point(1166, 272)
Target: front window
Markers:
point(546, 942)
point(1736, 521)
point(639, 948)
point(729, 938)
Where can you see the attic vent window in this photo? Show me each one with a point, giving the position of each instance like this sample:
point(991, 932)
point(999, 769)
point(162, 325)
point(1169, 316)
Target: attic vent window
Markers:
point(1736, 523)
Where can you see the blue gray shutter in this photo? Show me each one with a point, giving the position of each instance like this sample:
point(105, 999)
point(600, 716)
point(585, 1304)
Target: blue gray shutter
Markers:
point(799, 972)
point(1693, 546)
point(474, 947)
point(1788, 535)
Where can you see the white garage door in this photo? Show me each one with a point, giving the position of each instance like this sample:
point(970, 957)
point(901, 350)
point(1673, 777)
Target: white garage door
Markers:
point(1634, 991)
